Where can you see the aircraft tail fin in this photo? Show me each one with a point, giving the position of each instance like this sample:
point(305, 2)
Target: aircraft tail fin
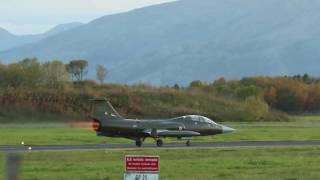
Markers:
point(103, 109)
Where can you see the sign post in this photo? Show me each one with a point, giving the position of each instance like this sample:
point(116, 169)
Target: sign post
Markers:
point(142, 167)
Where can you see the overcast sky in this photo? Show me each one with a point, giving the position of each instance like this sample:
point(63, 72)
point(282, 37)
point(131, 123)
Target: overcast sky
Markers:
point(36, 16)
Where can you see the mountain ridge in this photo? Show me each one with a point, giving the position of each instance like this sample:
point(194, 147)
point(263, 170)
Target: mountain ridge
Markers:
point(10, 40)
point(186, 40)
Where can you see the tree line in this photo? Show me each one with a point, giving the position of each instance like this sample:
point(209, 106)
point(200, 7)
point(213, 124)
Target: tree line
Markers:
point(29, 72)
point(293, 94)
point(61, 88)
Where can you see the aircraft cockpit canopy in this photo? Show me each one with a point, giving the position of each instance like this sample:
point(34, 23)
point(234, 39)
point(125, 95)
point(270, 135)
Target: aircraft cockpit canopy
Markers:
point(201, 119)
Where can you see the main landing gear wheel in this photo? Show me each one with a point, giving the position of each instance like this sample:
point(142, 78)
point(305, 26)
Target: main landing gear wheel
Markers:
point(138, 143)
point(188, 143)
point(159, 142)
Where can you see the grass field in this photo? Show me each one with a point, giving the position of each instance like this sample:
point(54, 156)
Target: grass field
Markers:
point(283, 163)
point(188, 164)
point(306, 128)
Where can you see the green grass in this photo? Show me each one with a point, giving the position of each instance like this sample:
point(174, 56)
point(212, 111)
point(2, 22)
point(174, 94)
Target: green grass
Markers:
point(40, 134)
point(285, 163)
point(308, 118)
point(188, 164)
point(21, 116)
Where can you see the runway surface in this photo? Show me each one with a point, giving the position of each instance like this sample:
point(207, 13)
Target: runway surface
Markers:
point(21, 148)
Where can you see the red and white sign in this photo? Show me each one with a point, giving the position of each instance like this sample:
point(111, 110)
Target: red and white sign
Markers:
point(142, 164)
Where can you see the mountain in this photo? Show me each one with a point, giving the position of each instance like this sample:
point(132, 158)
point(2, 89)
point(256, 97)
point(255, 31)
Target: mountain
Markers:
point(193, 39)
point(9, 40)
point(5, 38)
point(61, 28)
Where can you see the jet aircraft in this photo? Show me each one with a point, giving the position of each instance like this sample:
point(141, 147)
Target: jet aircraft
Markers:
point(108, 122)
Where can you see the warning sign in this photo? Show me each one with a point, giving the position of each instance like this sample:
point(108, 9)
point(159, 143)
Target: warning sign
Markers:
point(142, 163)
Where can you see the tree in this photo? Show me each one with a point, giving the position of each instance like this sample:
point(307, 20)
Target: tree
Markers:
point(26, 72)
point(256, 107)
point(247, 91)
point(307, 79)
point(220, 82)
point(196, 84)
point(101, 73)
point(78, 69)
point(3, 75)
point(55, 73)
point(176, 86)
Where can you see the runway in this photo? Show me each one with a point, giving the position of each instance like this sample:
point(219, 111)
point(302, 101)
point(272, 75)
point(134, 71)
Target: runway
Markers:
point(238, 144)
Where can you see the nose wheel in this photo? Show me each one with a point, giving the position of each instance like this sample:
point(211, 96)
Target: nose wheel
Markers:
point(159, 142)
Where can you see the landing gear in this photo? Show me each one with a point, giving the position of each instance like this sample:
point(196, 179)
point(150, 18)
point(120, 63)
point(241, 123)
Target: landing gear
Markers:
point(159, 142)
point(188, 143)
point(138, 143)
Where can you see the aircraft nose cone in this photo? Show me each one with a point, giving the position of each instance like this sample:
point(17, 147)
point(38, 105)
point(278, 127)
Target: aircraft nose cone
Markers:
point(226, 129)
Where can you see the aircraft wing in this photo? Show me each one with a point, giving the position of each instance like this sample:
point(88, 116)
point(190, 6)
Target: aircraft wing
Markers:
point(173, 133)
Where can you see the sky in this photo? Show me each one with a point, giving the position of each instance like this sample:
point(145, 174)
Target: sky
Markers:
point(37, 16)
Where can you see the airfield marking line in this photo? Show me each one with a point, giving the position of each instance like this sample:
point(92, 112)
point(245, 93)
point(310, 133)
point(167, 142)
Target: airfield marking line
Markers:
point(195, 145)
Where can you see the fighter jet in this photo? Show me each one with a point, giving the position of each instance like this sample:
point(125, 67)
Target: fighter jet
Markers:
point(106, 121)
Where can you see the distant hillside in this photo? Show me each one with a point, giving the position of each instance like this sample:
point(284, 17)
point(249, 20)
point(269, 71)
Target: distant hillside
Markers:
point(9, 40)
point(193, 39)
